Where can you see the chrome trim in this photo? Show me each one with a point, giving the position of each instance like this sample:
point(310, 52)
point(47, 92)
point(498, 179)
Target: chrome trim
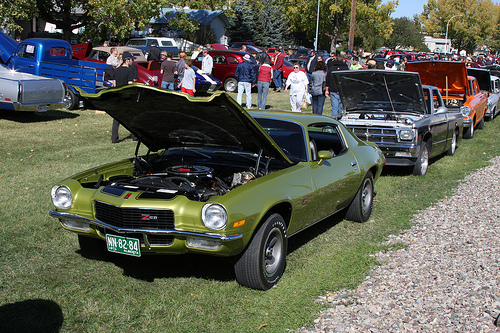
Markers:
point(77, 218)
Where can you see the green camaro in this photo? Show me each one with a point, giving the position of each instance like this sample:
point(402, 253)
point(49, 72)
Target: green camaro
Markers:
point(216, 180)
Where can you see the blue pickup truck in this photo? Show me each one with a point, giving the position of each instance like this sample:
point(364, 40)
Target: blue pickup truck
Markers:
point(52, 58)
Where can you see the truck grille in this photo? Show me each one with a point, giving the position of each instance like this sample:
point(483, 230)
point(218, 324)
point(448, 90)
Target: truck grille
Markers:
point(134, 218)
point(377, 135)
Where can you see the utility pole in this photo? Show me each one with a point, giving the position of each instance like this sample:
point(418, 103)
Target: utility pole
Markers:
point(352, 25)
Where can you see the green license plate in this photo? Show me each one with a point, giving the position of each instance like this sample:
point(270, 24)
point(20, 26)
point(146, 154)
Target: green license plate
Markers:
point(123, 245)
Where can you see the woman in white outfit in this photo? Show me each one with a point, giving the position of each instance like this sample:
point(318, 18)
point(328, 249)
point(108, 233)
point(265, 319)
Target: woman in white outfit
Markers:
point(298, 83)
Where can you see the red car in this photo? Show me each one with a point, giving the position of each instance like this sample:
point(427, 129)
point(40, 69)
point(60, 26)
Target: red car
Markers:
point(225, 62)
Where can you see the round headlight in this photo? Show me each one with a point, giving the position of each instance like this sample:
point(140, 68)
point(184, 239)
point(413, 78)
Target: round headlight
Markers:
point(61, 196)
point(465, 111)
point(214, 216)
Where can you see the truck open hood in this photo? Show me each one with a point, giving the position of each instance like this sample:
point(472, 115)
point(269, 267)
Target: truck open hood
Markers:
point(450, 76)
point(8, 47)
point(380, 90)
point(482, 76)
point(163, 119)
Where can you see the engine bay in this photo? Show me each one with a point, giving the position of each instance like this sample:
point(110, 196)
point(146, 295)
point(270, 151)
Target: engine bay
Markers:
point(199, 179)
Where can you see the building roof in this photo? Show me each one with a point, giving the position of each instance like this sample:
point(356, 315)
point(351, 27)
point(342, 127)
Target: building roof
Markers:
point(204, 17)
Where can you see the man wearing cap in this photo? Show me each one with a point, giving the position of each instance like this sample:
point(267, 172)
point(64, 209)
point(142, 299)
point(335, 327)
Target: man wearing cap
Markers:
point(207, 63)
point(123, 75)
point(246, 76)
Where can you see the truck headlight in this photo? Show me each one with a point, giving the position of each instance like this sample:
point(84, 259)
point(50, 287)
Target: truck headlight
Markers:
point(406, 135)
point(214, 216)
point(465, 111)
point(61, 197)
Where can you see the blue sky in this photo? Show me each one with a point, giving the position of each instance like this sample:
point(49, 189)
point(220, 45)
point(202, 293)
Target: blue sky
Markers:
point(409, 8)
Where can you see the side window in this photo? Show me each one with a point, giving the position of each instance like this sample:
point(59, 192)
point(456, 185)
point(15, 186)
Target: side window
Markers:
point(427, 101)
point(471, 87)
point(325, 137)
point(26, 51)
point(219, 59)
point(437, 100)
point(166, 43)
point(232, 60)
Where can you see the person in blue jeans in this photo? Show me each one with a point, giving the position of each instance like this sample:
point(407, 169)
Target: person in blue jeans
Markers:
point(331, 87)
point(318, 77)
point(263, 82)
point(278, 70)
point(168, 69)
point(246, 76)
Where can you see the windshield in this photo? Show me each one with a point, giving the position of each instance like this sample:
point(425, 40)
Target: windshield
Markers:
point(378, 90)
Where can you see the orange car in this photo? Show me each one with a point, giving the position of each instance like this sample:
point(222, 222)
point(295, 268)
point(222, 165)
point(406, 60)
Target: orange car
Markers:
point(457, 89)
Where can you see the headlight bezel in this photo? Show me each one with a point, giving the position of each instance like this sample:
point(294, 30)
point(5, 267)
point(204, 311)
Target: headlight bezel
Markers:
point(406, 135)
point(61, 196)
point(214, 216)
point(466, 111)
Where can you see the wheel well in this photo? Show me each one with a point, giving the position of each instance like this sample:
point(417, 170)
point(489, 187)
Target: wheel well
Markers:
point(283, 208)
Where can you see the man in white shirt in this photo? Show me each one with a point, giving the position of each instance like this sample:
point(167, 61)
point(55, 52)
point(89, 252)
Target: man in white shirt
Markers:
point(207, 63)
point(113, 56)
point(298, 83)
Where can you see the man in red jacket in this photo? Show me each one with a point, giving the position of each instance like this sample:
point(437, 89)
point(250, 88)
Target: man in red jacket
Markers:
point(278, 70)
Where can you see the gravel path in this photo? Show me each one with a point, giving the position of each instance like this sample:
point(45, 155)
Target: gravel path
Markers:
point(446, 280)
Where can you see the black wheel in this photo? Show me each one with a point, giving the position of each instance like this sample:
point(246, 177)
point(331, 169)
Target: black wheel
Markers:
point(360, 208)
point(481, 124)
point(231, 84)
point(92, 247)
point(422, 164)
point(469, 132)
point(453, 147)
point(72, 99)
point(263, 262)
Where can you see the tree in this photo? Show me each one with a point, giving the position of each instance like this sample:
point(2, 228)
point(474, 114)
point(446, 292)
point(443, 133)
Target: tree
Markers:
point(406, 34)
point(270, 25)
point(373, 22)
point(474, 28)
point(113, 18)
point(242, 24)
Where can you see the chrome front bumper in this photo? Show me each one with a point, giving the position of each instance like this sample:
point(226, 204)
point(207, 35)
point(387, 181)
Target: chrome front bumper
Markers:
point(211, 236)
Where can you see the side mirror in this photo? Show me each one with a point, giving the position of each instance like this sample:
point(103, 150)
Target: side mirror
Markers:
point(324, 155)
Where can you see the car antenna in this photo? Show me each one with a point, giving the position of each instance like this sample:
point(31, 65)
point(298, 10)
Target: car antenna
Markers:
point(389, 95)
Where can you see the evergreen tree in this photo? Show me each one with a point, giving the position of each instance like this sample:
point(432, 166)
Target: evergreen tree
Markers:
point(275, 24)
point(242, 24)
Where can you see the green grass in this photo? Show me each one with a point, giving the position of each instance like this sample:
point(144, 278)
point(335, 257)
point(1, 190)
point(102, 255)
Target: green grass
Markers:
point(45, 283)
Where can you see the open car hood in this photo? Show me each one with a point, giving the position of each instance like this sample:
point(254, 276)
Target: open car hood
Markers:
point(8, 47)
point(482, 76)
point(163, 119)
point(380, 90)
point(446, 75)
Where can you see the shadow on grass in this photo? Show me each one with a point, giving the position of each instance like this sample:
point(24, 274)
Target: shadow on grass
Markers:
point(398, 171)
point(31, 316)
point(36, 117)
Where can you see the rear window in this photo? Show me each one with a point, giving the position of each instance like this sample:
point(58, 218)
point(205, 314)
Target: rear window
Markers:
point(136, 42)
point(57, 52)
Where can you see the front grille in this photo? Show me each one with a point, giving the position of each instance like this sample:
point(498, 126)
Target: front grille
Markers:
point(377, 135)
point(134, 218)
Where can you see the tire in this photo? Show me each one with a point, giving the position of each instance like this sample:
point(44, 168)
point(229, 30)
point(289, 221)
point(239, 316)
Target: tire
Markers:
point(92, 247)
point(230, 85)
point(263, 262)
point(72, 99)
point(451, 151)
point(361, 206)
point(481, 124)
point(469, 133)
point(422, 164)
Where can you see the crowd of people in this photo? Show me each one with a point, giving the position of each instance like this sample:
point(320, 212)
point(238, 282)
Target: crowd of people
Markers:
point(311, 80)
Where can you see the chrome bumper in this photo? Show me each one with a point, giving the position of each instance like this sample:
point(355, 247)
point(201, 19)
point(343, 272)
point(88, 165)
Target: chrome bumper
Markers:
point(76, 218)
